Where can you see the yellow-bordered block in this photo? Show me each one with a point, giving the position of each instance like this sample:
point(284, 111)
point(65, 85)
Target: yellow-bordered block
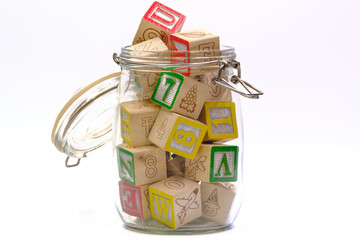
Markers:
point(184, 137)
point(175, 201)
point(162, 207)
point(137, 118)
point(220, 118)
point(125, 125)
point(177, 134)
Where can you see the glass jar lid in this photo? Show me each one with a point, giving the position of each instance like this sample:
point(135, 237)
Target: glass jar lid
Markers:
point(85, 122)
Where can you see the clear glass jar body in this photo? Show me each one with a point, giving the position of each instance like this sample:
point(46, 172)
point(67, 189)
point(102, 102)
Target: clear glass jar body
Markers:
point(140, 68)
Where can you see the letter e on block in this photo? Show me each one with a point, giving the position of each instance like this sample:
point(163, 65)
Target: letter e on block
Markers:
point(135, 200)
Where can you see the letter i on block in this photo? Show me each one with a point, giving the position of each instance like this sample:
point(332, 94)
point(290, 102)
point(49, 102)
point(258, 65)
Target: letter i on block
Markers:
point(141, 165)
point(135, 200)
point(213, 163)
point(177, 134)
point(221, 120)
point(180, 94)
point(175, 201)
point(159, 21)
point(217, 200)
point(137, 118)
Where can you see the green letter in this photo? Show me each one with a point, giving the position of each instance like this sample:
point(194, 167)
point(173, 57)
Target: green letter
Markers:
point(226, 165)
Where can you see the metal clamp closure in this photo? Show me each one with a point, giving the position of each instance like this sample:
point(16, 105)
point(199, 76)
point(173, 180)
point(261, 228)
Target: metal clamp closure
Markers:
point(235, 79)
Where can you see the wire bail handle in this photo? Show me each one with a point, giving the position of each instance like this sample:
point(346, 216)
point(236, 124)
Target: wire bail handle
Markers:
point(235, 79)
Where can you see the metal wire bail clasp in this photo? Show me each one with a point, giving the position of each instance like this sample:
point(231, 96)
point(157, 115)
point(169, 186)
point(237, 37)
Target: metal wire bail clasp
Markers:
point(235, 79)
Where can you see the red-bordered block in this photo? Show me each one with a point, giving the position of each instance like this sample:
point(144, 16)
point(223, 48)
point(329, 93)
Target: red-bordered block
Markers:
point(131, 200)
point(180, 53)
point(164, 17)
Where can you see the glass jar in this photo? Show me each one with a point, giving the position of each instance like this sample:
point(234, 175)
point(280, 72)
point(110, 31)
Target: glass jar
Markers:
point(87, 121)
point(143, 74)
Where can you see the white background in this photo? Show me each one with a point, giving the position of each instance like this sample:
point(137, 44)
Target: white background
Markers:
point(301, 159)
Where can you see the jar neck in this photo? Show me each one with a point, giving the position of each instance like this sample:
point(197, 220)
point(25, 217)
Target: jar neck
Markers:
point(162, 60)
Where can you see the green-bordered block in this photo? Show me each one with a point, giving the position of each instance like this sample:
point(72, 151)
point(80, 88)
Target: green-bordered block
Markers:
point(180, 94)
point(167, 89)
point(213, 163)
point(126, 165)
point(223, 167)
point(141, 165)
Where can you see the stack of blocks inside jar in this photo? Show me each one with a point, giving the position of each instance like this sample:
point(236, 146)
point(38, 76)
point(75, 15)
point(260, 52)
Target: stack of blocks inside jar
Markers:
point(174, 165)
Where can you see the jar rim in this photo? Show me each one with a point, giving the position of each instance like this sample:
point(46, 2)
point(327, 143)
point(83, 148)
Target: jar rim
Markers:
point(140, 58)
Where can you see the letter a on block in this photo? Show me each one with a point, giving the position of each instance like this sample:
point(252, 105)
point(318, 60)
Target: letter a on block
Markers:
point(161, 207)
point(223, 164)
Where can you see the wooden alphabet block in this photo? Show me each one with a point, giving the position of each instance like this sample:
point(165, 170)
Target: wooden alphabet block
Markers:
point(159, 21)
point(141, 165)
point(143, 48)
point(147, 81)
point(176, 166)
point(213, 163)
point(194, 40)
point(216, 92)
point(221, 120)
point(180, 94)
point(137, 118)
point(177, 134)
point(217, 200)
point(175, 201)
point(135, 200)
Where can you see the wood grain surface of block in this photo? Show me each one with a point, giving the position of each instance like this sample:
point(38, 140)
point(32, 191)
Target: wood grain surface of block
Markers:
point(175, 201)
point(213, 163)
point(144, 52)
point(141, 165)
point(217, 201)
point(194, 40)
point(137, 118)
point(216, 93)
point(159, 21)
point(145, 48)
point(177, 134)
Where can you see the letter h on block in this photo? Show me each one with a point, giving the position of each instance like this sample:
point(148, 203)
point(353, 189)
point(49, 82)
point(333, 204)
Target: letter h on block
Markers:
point(159, 21)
